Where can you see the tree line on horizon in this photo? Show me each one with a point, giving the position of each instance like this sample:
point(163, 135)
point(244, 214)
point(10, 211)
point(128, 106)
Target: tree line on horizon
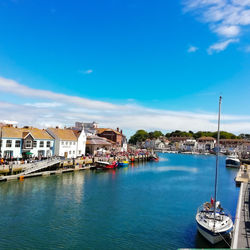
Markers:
point(142, 135)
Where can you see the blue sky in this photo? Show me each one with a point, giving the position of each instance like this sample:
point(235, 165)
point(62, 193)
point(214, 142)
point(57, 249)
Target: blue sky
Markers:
point(129, 63)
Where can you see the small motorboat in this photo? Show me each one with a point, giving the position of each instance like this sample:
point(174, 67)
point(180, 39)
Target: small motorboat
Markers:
point(113, 165)
point(232, 161)
point(101, 164)
point(154, 158)
point(123, 164)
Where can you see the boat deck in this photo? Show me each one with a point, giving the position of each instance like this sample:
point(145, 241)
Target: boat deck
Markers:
point(241, 237)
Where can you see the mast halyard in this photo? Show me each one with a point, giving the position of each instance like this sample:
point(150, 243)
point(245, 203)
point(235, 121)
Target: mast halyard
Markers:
point(217, 161)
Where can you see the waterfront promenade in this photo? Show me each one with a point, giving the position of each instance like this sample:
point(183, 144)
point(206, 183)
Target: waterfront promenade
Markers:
point(241, 236)
point(56, 165)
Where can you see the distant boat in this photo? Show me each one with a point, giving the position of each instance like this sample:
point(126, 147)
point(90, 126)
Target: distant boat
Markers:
point(232, 161)
point(106, 165)
point(154, 158)
point(113, 165)
point(213, 222)
point(123, 164)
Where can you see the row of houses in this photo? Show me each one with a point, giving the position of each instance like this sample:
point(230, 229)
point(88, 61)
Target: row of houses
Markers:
point(72, 142)
point(202, 144)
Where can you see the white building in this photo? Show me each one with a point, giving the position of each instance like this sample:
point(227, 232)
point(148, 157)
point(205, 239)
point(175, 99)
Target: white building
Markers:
point(65, 142)
point(68, 143)
point(81, 142)
point(205, 143)
point(190, 145)
point(25, 142)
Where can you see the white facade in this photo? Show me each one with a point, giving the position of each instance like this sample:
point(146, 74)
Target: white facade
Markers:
point(66, 149)
point(205, 145)
point(81, 143)
point(11, 147)
point(65, 142)
point(189, 145)
point(16, 147)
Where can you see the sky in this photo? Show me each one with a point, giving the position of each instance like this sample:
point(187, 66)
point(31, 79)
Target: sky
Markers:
point(133, 64)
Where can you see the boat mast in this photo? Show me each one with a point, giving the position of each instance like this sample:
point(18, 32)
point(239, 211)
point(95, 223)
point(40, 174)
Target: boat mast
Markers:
point(217, 160)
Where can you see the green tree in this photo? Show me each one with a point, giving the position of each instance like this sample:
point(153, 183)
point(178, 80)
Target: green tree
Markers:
point(157, 134)
point(140, 135)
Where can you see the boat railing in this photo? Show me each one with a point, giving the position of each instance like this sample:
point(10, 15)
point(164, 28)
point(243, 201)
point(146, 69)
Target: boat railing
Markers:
point(207, 208)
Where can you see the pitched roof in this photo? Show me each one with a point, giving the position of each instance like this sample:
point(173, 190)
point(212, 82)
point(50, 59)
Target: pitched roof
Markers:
point(206, 138)
point(234, 140)
point(76, 132)
point(101, 130)
point(97, 140)
point(64, 134)
point(12, 132)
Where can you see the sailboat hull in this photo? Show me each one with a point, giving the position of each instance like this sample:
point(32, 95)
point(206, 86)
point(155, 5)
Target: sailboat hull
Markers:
point(212, 237)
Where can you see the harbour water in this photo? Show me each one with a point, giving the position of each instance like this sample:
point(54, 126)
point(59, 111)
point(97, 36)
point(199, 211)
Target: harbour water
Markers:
point(145, 206)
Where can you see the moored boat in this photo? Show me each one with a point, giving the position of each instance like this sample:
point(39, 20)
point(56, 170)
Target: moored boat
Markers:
point(232, 161)
point(213, 226)
point(113, 165)
point(213, 222)
point(123, 164)
point(101, 164)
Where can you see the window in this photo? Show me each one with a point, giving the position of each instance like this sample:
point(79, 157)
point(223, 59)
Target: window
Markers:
point(0, 143)
point(8, 154)
point(70, 152)
point(41, 145)
point(62, 142)
point(73, 152)
point(80, 152)
point(28, 144)
point(48, 144)
point(34, 144)
point(74, 143)
point(70, 143)
point(66, 143)
point(17, 144)
point(8, 143)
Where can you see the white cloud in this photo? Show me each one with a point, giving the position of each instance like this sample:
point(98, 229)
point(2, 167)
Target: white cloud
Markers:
point(192, 49)
point(128, 116)
point(228, 31)
point(224, 17)
point(44, 104)
point(86, 72)
point(218, 47)
point(13, 87)
point(9, 122)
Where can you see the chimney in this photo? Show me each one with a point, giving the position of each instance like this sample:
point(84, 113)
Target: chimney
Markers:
point(121, 131)
point(56, 127)
point(117, 129)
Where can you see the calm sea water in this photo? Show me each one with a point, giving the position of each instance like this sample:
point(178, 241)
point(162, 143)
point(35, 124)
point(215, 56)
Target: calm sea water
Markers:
point(145, 206)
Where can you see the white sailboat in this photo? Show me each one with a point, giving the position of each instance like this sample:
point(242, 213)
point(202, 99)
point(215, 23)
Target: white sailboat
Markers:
point(214, 222)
